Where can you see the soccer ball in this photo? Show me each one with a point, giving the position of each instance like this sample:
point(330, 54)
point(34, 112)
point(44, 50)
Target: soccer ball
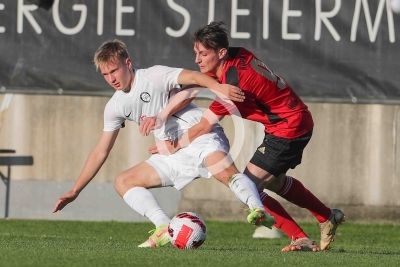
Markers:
point(187, 230)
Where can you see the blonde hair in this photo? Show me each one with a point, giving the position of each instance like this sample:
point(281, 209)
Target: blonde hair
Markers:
point(110, 51)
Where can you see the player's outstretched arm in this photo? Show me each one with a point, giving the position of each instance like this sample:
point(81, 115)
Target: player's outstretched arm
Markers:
point(223, 91)
point(93, 164)
point(205, 126)
point(175, 104)
point(65, 199)
point(196, 82)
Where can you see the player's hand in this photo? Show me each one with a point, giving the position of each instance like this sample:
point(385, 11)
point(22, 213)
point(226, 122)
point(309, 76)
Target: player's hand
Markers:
point(164, 148)
point(146, 125)
point(231, 92)
point(64, 200)
point(150, 124)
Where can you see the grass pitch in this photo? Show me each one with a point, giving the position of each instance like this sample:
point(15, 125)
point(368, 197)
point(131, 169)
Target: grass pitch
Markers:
point(77, 243)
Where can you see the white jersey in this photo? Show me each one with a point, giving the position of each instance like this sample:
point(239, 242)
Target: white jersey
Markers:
point(149, 94)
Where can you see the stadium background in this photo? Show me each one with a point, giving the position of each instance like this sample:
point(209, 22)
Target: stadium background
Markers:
point(341, 56)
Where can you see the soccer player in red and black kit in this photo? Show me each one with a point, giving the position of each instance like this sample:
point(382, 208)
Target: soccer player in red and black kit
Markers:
point(288, 128)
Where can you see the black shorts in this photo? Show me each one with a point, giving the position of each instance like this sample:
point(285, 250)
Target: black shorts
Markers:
point(277, 155)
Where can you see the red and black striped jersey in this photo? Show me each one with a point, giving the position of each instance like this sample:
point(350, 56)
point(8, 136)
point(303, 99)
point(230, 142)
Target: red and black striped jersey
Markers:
point(269, 100)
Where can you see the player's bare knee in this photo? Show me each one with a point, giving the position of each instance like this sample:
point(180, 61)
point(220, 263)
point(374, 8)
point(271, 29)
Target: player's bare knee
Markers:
point(123, 183)
point(119, 185)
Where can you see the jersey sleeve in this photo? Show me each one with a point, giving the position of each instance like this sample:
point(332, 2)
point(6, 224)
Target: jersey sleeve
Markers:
point(112, 121)
point(222, 108)
point(164, 77)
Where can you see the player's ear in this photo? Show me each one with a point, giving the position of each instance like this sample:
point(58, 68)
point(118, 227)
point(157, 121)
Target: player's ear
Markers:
point(128, 62)
point(222, 53)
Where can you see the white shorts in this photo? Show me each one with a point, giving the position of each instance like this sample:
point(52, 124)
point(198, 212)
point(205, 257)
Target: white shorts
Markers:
point(187, 164)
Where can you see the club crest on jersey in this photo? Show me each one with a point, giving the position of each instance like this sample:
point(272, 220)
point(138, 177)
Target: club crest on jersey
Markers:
point(145, 97)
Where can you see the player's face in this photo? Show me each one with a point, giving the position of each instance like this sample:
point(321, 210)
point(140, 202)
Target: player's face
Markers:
point(208, 60)
point(118, 74)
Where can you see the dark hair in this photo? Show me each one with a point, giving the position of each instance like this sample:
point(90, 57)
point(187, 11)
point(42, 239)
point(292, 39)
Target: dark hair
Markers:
point(212, 36)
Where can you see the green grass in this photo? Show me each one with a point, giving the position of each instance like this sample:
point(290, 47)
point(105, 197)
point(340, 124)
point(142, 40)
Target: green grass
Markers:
point(72, 243)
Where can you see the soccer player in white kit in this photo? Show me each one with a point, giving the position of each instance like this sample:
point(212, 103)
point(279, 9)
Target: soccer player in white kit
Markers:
point(142, 93)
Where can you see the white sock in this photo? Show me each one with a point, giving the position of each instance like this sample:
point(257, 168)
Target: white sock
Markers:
point(143, 202)
point(245, 190)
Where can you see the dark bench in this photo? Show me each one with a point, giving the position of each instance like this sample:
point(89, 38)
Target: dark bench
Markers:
point(11, 161)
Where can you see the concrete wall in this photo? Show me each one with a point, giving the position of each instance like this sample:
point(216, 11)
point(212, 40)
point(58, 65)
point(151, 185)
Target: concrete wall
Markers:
point(60, 132)
point(350, 163)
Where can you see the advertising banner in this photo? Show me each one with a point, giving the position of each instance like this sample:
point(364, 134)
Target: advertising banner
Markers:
point(327, 50)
